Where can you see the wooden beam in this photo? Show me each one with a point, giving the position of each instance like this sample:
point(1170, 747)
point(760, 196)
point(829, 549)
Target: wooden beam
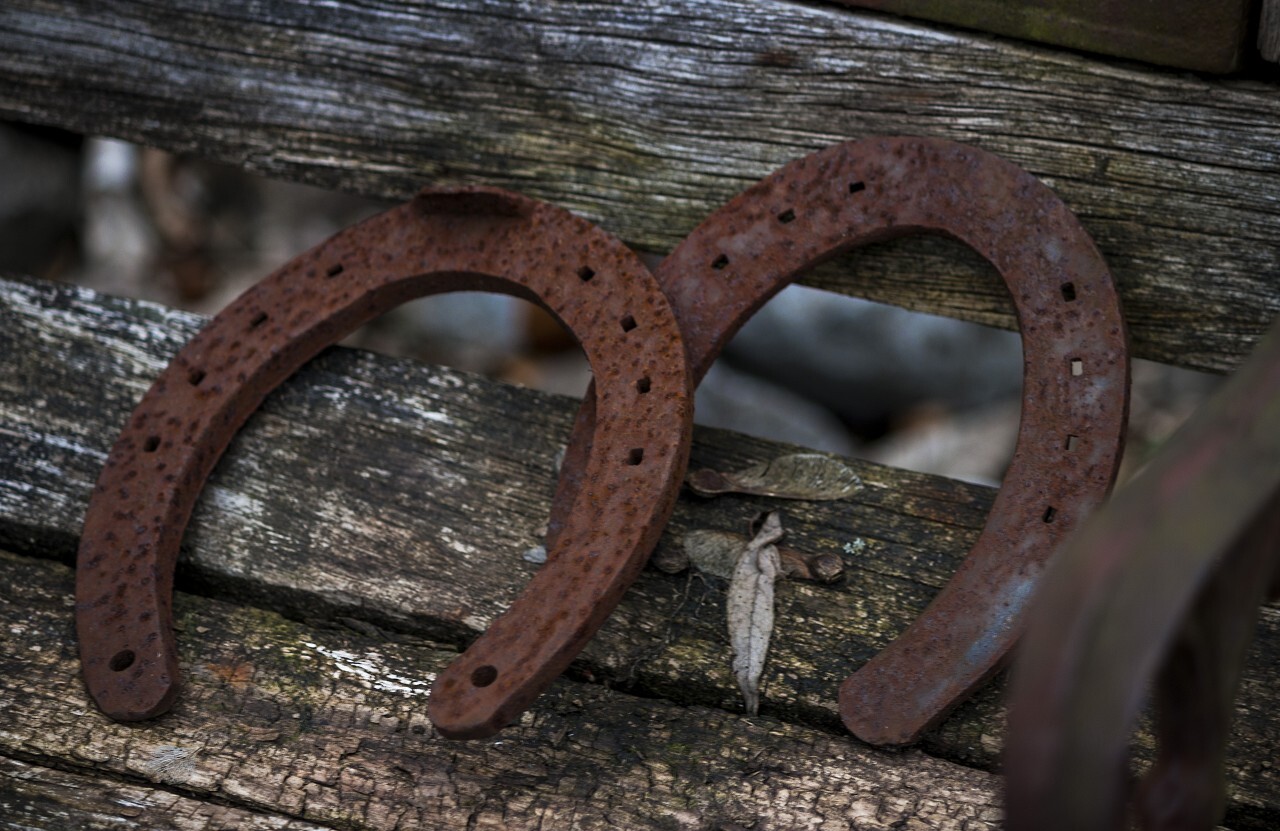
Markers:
point(1183, 33)
point(645, 116)
point(1269, 31)
point(325, 727)
point(38, 798)
point(430, 486)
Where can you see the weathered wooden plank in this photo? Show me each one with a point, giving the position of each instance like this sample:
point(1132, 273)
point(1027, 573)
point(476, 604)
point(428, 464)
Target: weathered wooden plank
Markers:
point(1269, 30)
point(431, 484)
point(644, 116)
point(328, 727)
point(1184, 33)
point(34, 797)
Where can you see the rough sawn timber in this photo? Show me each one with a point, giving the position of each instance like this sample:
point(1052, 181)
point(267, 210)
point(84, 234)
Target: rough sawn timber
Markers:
point(286, 725)
point(398, 497)
point(645, 116)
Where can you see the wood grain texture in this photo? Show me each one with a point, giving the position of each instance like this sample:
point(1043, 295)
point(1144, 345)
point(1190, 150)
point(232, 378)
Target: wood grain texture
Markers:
point(399, 497)
point(328, 728)
point(645, 116)
point(37, 798)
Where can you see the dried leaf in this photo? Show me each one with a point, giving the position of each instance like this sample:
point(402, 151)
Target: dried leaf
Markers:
point(670, 559)
point(714, 552)
point(750, 609)
point(717, 553)
point(810, 476)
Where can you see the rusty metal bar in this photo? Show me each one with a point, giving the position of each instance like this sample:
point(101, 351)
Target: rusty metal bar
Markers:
point(1164, 583)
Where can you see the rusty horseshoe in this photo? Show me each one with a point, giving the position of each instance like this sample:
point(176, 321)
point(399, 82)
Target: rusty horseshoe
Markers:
point(469, 239)
point(1075, 384)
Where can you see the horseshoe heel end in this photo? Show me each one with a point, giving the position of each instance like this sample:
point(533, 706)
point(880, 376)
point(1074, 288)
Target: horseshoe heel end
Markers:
point(124, 622)
point(129, 679)
point(516, 659)
point(880, 706)
point(118, 702)
point(461, 708)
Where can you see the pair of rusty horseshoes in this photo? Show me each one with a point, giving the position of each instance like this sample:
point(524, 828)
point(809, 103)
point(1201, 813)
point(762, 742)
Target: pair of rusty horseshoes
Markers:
point(631, 437)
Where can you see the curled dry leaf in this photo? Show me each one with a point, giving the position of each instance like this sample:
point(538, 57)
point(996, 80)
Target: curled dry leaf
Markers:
point(717, 553)
point(750, 608)
point(714, 552)
point(810, 476)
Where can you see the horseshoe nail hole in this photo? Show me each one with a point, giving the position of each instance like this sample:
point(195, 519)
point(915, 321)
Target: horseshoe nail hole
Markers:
point(636, 456)
point(334, 270)
point(1072, 443)
point(1050, 513)
point(258, 319)
point(1077, 367)
point(628, 323)
point(122, 660)
point(787, 216)
point(585, 273)
point(150, 445)
point(857, 187)
point(196, 376)
point(720, 262)
point(1069, 292)
point(484, 676)
point(642, 386)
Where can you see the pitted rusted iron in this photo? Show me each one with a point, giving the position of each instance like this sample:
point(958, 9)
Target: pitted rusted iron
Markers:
point(1075, 386)
point(1164, 583)
point(471, 239)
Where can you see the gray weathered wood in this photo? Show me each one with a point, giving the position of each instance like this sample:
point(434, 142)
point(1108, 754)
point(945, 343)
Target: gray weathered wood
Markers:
point(34, 797)
point(328, 727)
point(645, 116)
point(403, 496)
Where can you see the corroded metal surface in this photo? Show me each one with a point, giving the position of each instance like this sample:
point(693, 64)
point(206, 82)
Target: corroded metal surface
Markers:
point(1075, 387)
point(1164, 583)
point(472, 239)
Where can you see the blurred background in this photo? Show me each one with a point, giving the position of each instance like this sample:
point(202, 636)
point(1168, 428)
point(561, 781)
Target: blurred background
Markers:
point(812, 368)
